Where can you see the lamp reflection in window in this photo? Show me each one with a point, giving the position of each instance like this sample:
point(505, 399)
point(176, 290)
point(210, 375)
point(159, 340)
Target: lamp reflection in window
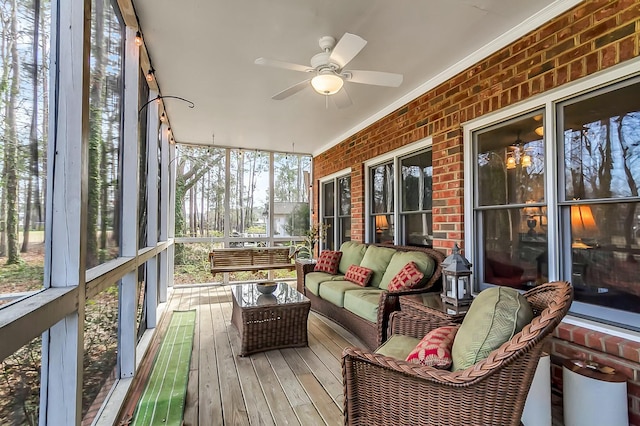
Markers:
point(536, 217)
point(583, 225)
point(381, 224)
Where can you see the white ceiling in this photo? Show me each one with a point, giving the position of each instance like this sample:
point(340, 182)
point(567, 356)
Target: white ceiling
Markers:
point(204, 51)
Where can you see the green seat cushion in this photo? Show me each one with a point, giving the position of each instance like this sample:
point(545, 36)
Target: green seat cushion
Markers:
point(398, 346)
point(334, 291)
point(377, 259)
point(495, 315)
point(352, 254)
point(363, 302)
point(424, 262)
point(313, 279)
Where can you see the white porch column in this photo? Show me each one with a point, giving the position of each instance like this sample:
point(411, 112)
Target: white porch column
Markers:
point(130, 187)
point(172, 211)
point(165, 206)
point(62, 344)
point(152, 209)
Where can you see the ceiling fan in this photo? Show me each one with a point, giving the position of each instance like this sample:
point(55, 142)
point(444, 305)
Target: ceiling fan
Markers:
point(330, 73)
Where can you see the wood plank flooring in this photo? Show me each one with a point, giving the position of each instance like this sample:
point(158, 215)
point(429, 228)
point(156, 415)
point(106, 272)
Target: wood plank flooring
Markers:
point(295, 386)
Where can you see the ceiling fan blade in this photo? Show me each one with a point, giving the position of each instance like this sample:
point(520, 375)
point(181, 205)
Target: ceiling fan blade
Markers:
point(342, 99)
point(291, 90)
point(377, 78)
point(347, 49)
point(280, 64)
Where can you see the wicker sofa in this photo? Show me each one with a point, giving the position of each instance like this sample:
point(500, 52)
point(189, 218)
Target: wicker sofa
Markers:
point(365, 311)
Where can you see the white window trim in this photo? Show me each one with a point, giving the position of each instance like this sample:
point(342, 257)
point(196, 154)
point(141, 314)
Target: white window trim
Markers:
point(549, 100)
point(325, 179)
point(395, 156)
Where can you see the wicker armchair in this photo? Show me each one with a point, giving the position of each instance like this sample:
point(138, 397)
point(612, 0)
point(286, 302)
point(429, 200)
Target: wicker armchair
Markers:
point(381, 390)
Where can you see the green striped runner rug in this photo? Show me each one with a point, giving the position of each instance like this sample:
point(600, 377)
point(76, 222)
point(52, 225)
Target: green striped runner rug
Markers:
point(162, 402)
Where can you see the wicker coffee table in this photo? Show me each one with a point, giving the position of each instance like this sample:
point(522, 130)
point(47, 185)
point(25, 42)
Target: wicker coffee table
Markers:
point(273, 321)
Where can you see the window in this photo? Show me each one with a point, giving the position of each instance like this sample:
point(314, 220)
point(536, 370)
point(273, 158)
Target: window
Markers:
point(381, 219)
point(416, 194)
point(105, 123)
point(598, 196)
point(407, 172)
point(336, 211)
point(510, 202)
point(290, 195)
point(584, 225)
point(26, 31)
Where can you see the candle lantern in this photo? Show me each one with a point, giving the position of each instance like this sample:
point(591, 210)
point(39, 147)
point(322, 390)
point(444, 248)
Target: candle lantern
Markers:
point(456, 279)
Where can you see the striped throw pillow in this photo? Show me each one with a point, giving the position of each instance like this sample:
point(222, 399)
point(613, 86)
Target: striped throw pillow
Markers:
point(328, 262)
point(408, 277)
point(358, 275)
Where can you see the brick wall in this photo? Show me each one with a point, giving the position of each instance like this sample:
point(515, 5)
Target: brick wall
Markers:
point(593, 36)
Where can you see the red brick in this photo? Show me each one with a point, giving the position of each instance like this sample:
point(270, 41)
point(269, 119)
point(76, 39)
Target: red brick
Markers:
point(580, 336)
point(608, 56)
point(631, 351)
point(565, 332)
point(633, 388)
point(626, 48)
point(612, 345)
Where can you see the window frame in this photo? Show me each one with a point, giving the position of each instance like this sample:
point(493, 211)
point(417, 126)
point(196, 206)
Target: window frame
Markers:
point(336, 229)
point(395, 157)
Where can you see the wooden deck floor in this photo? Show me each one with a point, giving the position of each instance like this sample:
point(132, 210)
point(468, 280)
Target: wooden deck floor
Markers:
point(287, 386)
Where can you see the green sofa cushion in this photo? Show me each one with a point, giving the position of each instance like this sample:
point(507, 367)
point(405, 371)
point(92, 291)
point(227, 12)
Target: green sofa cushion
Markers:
point(424, 262)
point(334, 291)
point(313, 279)
point(398, 346)
point(363, 302)
point(377, 259)
point(493, 318)
point(352, 254)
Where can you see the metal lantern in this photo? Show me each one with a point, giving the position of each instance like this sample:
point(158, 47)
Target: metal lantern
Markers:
point(456, 279)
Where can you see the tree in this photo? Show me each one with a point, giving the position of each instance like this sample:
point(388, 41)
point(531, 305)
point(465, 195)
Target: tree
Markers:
point(298, 223)
point(11, 146)
point(33, 194)
point(192, 166)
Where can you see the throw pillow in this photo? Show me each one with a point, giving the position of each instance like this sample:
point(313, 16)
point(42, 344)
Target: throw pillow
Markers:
point(408, 277)
point(358, 275)
point(434, 350)
point(494, 317)
point(328, 262)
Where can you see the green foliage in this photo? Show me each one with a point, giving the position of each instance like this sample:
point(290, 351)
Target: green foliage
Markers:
point(298, 222)
point(257, 229)
point(23, 275)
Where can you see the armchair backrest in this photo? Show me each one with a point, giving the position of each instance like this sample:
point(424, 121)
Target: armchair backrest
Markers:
point(550, 302)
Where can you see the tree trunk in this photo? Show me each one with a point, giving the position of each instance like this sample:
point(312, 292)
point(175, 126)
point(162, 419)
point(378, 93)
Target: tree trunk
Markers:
point(11, 148)
point(33, 132)
point(4, 98)
point(41, 186)
point(95, 136)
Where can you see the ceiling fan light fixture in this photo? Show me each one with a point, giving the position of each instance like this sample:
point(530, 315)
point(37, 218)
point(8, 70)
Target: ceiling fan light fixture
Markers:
point(327, 84)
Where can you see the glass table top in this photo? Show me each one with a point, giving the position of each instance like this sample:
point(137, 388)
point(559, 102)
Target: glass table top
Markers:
point(248, 296)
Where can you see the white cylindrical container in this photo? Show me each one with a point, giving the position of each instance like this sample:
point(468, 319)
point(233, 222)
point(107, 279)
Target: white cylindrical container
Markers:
point(537, 408)
point(593, 397)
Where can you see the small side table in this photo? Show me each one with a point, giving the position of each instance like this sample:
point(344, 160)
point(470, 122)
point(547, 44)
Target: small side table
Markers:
point(303, 266)
point(432, 304)
point(593, 394)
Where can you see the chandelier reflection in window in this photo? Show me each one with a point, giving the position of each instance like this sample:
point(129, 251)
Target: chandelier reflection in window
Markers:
point(518, 154)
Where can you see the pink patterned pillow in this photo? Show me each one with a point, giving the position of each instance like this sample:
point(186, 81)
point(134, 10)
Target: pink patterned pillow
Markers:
point(434, 350)
point(358, 275)
point(408, 277)
point(328, 262)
